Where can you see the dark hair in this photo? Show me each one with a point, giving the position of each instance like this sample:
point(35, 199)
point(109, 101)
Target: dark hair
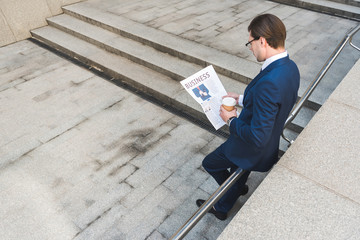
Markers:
point(269, 27)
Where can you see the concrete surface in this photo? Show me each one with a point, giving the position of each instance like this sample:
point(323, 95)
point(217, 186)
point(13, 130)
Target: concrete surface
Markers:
point(87, 163)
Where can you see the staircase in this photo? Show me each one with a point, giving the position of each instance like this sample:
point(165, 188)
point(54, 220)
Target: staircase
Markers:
point(342, 8)
point(148, 61)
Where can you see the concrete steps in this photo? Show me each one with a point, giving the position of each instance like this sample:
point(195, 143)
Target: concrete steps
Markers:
point(148, 60)
point(140, 71)
point(125, 47)
point(226, 64)
point(342, 8)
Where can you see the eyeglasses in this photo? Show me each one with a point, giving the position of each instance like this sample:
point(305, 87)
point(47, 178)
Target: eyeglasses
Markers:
point(248, 44)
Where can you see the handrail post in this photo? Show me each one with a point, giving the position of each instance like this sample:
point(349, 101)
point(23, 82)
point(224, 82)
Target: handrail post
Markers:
point(181, 233)
point(352, 34)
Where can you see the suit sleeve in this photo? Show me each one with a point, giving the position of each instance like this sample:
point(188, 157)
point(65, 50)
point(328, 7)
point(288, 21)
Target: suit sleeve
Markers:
point(264, 110)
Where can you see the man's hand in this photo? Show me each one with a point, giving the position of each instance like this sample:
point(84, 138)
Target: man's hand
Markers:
point(225, 115)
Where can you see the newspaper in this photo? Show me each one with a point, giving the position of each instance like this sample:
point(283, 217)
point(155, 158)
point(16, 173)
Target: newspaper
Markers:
point(206, 88)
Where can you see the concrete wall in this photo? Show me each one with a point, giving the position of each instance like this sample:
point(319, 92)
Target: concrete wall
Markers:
point(18, 17)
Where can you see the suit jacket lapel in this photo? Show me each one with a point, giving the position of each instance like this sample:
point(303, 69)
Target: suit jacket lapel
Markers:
point(253, 82)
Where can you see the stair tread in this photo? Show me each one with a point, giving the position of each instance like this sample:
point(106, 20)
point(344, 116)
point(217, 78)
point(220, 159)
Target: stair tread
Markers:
point(335, 5)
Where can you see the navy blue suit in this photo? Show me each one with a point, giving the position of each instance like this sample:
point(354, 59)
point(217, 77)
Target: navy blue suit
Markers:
point(253, 144)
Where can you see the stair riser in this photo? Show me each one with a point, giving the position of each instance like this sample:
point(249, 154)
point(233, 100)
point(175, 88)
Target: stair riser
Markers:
point(320, 8)
point(295, 128)
point(162, 48)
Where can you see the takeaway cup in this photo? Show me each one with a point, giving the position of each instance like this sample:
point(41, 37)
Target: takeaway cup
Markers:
point(229, 103)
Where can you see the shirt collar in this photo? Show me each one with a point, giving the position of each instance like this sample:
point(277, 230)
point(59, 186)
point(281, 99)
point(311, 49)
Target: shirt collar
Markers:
point(273, 59)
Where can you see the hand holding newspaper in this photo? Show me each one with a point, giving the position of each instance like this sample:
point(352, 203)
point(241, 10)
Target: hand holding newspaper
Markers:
point(206, 88)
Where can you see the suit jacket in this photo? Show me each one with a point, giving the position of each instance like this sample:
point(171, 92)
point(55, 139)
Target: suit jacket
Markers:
point(255, 135)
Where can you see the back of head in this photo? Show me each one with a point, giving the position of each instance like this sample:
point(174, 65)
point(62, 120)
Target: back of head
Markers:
point(269, 27)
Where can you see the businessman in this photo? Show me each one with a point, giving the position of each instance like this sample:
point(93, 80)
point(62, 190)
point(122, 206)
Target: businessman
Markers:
point(254, 136)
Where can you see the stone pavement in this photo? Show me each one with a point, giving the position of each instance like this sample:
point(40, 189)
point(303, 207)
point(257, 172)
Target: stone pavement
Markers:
point(90, 160)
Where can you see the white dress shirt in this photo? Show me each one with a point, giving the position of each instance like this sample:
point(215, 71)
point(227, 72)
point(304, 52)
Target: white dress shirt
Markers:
point(273, 59)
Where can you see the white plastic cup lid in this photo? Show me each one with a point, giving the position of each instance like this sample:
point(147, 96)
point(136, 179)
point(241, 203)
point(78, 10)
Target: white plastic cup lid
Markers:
point(229, 101)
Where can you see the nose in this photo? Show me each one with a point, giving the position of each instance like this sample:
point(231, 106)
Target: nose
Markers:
point(251, 49)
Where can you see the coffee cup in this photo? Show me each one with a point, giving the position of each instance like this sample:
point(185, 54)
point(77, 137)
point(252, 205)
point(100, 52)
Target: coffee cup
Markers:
point(228, 103)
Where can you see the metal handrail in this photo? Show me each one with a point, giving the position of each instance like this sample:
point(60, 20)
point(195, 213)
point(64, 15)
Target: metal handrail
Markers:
point(316, 81)
point(207, 205)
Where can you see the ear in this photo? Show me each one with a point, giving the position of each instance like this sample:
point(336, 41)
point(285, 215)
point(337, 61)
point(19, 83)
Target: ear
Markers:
point(263, 41)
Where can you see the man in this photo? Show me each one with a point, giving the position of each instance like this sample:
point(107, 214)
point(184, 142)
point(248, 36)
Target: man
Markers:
point(254, 135)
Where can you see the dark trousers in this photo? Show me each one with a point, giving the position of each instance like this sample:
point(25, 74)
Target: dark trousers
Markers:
point(220, 168)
